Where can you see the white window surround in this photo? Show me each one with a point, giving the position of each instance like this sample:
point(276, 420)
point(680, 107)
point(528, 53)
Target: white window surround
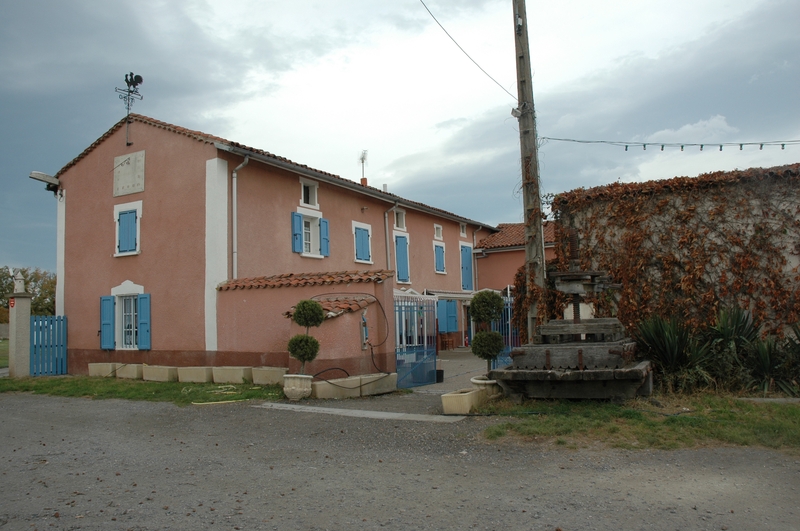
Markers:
point(462, 227)
point(368, 228)
point(442, 245)
point(124, 207)
point(126, 289)
point(437, 231)
point(400, 220)
point(313, 216)
point(313, 186)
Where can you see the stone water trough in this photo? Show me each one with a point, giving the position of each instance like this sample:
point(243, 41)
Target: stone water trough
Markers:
point(589, 358)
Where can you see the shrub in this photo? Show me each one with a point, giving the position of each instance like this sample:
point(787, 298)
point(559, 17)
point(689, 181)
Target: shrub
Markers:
point(308, 313)
point(486, 306)
point(487, 346)
point(303, 348)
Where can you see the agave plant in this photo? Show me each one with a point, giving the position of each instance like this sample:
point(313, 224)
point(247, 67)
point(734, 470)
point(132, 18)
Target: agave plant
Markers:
point(667, 342)
point(729, 340)
point(771, 367)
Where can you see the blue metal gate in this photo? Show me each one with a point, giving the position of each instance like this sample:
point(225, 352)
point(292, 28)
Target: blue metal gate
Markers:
point(415, 339)
point(510, 334)
point(48, 345)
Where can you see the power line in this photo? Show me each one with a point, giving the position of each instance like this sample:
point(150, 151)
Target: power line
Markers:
point(682, 145)
point(464, 51)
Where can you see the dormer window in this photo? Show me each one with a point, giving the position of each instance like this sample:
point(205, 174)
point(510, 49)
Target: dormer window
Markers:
point(308, 191)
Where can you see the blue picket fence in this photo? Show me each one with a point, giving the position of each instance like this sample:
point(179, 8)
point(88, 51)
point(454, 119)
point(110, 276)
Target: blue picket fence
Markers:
point(48, 345)
point(415, 340)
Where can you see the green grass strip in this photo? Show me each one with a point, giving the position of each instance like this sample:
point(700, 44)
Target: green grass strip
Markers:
point(701, 420)
point(181, 394)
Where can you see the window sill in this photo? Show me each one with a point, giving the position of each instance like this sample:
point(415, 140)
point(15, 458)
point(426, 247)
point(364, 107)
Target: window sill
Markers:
point(404, 282)
point(129, 253)
point(308, 205)
point(370, 262)
point(309, 255)
point(440, 272)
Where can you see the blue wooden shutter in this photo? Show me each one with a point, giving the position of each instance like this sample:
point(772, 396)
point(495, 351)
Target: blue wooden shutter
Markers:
point(441, 315)
point(127, 231)
point(297, 233)
point(401, 256)
point(362, 244)
point(107, 323)
point(466, 267)
point(324, 238)
point(439, 255)
point(144, 321)
point(452, 316)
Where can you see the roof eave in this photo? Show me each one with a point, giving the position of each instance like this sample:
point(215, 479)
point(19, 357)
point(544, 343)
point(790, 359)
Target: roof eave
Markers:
point(349, 185)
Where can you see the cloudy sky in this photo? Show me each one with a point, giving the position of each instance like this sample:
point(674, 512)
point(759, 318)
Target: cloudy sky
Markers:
point(320, 81)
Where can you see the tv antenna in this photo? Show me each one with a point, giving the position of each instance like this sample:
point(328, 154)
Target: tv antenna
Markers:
point(363, 160)
point(129, 96)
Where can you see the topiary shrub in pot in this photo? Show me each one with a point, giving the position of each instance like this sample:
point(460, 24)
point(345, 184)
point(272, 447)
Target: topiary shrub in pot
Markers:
point(303, 348)
point(487, 306)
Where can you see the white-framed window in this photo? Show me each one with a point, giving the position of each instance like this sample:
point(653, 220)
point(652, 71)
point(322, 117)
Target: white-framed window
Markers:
point(437, 231)
point(310, 233)
point(362, 240)
point(400, 219)
point(127, 228)
point(462, 227)
point(309, 196)
point(125, 318)
point(439, 265)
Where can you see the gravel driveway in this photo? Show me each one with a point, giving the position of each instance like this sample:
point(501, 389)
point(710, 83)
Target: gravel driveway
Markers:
point(111, 464)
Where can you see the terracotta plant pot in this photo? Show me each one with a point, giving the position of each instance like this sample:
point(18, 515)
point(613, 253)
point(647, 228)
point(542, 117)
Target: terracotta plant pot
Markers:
point(297, 386)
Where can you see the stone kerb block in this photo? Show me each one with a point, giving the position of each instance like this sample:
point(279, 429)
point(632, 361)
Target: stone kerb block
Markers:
point(195, 374)
point(103, 370)
point(233, 375)
point(337, 388)
point(159, 373)
point(130, 371)
point(378, 384)
point(269, 375)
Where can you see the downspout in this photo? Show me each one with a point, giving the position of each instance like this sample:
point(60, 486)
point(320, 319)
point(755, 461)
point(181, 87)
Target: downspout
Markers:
point(235, 220)
point(474, 260)
point(386, 227)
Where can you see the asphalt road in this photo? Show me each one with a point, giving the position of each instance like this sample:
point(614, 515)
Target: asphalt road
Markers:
point(110, 464)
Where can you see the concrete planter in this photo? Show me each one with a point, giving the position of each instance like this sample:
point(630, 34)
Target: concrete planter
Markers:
point(195, 374)
point(349, 387)
point(462, 401)
point(103, 370)
point(268, 375)
point(490, 386)
point(297, 386)
point(130, 371)
point(233, 375)
point(159, 373)
point(378, 384)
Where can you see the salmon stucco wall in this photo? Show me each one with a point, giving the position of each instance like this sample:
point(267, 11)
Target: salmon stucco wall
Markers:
point(170, 264)
point(252, 320)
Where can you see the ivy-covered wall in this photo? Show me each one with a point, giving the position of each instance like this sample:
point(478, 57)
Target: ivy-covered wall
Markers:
point(687, 246)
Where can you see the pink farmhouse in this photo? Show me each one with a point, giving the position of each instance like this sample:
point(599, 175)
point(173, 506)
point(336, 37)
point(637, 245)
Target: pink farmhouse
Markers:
point(180, 248)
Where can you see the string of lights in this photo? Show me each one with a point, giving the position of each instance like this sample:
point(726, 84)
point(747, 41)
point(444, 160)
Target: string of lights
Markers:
point(682, 145)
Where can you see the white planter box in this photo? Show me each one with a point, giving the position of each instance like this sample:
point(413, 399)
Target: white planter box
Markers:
point(195, 374)
point(349, 387)
point(462, 401)
point(268, 375)
point(159, 373)
point(103, 370)
point(130, 371)
point(378, 384)
point(233, 375)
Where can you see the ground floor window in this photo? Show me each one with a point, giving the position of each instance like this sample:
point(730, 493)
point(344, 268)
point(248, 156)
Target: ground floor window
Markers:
point(130, 321)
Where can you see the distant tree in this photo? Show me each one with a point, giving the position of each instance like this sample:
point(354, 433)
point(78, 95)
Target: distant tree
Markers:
point(39, 283)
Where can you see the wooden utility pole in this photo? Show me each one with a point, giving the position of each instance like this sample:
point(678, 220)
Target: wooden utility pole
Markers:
point(531, 198)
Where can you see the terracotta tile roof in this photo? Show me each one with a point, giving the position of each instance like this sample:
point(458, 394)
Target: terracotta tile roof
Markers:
point(336, 306)
point(211, 139)
point(296, 280)
point(513, 235)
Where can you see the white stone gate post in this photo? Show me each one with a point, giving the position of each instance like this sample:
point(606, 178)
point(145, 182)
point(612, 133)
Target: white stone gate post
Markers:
point(19, 330)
